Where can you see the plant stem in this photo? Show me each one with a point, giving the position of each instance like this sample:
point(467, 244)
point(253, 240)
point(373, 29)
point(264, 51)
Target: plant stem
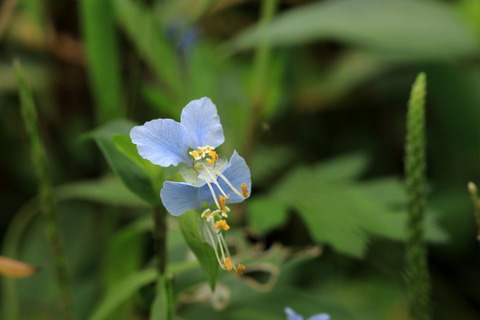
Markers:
point(46, 198)
point(163, 306)
point(416, 275)
point(160, 237)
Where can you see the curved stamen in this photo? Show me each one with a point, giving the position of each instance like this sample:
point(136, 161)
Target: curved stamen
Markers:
point(214, 244)
point(228, 183)
point(214, 180)
point(213, 194)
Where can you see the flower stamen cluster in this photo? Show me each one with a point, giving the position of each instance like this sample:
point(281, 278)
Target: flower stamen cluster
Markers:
point(203, 152)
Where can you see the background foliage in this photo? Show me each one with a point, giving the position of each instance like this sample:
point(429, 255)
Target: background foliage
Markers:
point(312, 93)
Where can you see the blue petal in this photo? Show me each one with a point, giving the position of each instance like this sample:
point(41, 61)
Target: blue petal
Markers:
point(320, 316)
point(237, 172)
point(163, 141)
point(179, 197)
point(203, 123)
point(292, 315)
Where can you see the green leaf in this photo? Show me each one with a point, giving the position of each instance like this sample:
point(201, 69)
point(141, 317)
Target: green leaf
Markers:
point(122, 291)
point(340, 211)
point(190, 224)
point(406, 28)
point(125, 145)
point(127, 170)
point(101, 48)
point(265, 214)
point(162, 308)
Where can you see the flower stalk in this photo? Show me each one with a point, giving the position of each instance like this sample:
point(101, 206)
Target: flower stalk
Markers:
point(46, 198)
point(160, 237)
point(416, 274)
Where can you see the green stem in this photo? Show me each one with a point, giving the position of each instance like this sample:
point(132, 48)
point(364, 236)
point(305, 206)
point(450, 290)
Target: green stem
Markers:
point(160, 237)
point(260, 69)
point(46, 198)
point(416, 276)
point(163, 306)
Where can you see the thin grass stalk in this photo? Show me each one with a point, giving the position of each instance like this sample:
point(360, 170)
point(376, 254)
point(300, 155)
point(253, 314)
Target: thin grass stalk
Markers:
point(416, 270)
point(46, 198)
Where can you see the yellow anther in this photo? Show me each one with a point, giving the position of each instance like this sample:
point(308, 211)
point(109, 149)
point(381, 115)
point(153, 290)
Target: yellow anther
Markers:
point(244, 190)
point(197, 155)
point(222, 202)
point(240, 269)
point(228, 264)
point(208, 149)
point(222, 224)
point(213, 157)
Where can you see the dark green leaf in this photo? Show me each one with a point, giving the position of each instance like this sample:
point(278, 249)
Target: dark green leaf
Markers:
point(125, 145)
point(342, 212)
point(131, 174)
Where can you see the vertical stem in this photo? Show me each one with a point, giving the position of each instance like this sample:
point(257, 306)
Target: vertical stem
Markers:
point(162, 307)
point(46, 198)
point(260, 69)
point(416, 275)
point(160, 237)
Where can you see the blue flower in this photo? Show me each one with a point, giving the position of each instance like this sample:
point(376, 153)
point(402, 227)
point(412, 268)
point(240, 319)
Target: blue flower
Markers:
point(292, 315)
point(209, 177)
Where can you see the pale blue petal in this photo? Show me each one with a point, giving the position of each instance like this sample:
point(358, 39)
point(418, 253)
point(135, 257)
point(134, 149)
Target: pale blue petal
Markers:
point(203, 123)
point(237, 172)
point(179, 197)
point(292, 315)
point(320, 316)
point(163, 141)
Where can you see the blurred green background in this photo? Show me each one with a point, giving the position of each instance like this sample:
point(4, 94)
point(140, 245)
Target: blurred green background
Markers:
point(312, 93)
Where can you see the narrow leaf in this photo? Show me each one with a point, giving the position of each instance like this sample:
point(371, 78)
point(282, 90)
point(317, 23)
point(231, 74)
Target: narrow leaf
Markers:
point(163, 303)
point(101, 48)
point(122, 292)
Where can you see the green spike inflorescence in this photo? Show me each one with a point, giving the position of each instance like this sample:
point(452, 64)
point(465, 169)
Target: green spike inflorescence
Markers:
point(416, 274)
point(46, 198)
